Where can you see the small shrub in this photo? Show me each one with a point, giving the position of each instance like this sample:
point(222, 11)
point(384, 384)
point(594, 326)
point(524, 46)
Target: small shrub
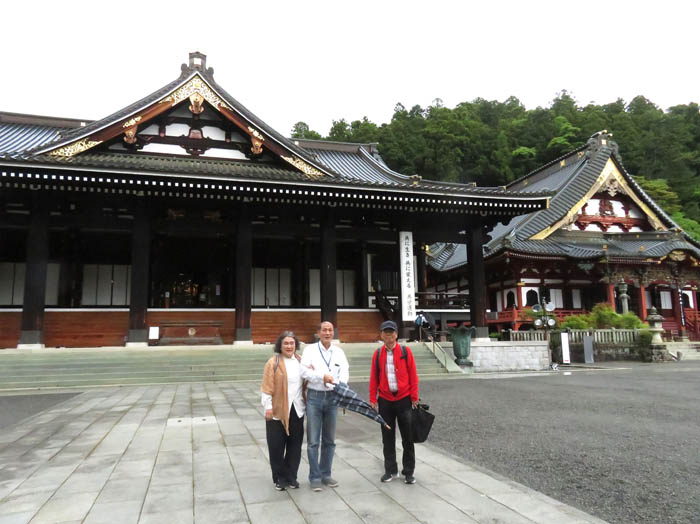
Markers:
point(630, 321)
point(603, 316)
point(576, 322)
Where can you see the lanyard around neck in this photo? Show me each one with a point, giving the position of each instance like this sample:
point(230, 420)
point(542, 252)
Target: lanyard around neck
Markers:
point(327, 363)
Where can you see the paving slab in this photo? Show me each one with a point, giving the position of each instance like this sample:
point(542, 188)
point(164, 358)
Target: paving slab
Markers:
point(196, 453)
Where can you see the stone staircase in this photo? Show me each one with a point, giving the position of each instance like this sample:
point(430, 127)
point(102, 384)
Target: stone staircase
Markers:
point(689, 350)
point(67, 368)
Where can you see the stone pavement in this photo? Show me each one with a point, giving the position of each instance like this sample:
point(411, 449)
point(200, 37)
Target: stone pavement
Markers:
point(196, 453)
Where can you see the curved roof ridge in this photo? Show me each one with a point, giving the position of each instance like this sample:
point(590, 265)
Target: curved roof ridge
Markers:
point(131, 109)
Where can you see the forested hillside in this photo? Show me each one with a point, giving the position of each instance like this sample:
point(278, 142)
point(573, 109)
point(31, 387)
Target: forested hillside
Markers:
point(492, 143)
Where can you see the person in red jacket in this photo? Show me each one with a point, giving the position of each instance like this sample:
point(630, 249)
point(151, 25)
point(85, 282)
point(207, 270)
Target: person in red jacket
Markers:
point(393, 390)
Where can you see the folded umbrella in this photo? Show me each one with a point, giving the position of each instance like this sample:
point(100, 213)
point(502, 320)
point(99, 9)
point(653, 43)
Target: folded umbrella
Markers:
point(347, 398)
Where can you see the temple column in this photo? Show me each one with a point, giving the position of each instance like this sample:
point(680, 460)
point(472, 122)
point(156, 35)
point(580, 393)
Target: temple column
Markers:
point(611, 295)
point(140, 277)
point(32, 326)
point(363, 291)
point(642, 302)
point(243, 273)
point(329, 292)
point(298, 280)
point(477, 278)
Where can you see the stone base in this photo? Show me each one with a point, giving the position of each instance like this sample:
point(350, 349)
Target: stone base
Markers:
point(244, 335)
point(242, 343)
point(30, 339)
point(509, 356)
point(136, 345)
point(137, 336)
point(30, 346)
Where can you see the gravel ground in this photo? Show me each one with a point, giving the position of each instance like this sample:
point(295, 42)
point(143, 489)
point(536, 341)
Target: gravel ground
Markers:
point(620, 444)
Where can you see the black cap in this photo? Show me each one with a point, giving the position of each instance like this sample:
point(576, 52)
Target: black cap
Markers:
point(388, 324)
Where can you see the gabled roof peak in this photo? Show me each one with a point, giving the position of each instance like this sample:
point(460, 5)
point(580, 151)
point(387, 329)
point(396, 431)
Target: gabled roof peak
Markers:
point(601, 139)
point(197, 62)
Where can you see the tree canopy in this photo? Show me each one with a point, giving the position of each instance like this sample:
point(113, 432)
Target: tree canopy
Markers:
point(493, 143)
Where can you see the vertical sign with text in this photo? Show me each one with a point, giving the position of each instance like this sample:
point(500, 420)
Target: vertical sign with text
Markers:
point(406, 274)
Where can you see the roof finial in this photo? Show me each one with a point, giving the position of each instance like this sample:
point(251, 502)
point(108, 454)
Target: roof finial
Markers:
point(198, 62)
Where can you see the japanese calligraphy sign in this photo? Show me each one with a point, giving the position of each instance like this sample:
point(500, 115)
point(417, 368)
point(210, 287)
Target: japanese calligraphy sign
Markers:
point(407, 277)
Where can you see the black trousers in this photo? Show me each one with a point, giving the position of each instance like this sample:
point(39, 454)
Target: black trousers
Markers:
point(393, 412)
point(285, 450)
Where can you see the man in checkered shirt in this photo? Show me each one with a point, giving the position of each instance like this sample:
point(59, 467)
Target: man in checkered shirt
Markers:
point(393, 390)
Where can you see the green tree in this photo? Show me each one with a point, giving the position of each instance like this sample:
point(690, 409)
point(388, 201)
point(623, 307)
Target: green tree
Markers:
point(301, 130)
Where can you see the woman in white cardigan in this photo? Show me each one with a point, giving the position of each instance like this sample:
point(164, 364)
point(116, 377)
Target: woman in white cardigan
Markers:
point(283, 400)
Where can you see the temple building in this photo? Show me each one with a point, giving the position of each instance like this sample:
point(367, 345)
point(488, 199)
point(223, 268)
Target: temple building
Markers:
point(184, 219)
point(602, 239)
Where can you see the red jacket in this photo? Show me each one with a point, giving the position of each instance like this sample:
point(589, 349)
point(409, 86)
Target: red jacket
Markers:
point(406, 376)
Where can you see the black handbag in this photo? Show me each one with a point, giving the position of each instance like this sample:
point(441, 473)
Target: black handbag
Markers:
point(421, 422)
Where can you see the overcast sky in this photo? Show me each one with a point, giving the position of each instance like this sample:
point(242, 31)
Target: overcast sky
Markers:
point(319, 61)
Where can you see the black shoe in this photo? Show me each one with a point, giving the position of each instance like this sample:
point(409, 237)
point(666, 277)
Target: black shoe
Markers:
point(280, 486)
point(293, 485)
point(409, 479)
point(388, 477)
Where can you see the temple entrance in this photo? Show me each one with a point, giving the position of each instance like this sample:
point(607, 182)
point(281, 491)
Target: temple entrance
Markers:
point(190, 273)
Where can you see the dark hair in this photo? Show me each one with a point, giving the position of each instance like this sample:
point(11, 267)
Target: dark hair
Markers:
point(285, 334)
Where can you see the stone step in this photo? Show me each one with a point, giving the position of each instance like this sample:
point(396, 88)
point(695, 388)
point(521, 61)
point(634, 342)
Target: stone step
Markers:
point(83, 368)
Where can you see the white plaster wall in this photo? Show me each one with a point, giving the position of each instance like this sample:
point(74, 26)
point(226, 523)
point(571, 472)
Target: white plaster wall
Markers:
point(509, 356)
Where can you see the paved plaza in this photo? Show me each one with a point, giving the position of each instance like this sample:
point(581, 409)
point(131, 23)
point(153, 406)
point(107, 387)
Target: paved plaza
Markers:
point(197, 453)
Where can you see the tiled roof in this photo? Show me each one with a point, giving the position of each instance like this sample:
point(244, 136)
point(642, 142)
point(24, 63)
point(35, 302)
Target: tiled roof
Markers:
point(17, 138)
point(354, 165)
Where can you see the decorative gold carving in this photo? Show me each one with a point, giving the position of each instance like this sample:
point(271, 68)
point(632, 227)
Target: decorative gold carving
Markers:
point(130, 135)
point(677, 256)
point(257, 134)
point(196, 101)
point(257, 138)
point(612, 187)
point(256, 148)
point(75, 148)
point(303, 166)
point(131, 122)
point(195, 85)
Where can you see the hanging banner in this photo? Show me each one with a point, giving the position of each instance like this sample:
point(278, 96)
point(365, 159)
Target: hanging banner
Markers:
point(407, 276)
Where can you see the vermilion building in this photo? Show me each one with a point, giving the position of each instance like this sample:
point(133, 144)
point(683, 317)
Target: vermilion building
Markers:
point(601, 237)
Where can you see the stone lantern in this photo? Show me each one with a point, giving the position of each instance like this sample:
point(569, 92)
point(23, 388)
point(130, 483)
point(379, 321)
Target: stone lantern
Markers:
point(623, 296)
point(655, 320)
point(659, 353)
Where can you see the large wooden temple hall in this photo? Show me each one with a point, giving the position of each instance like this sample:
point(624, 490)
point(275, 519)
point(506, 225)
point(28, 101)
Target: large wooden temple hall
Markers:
point(184, 218)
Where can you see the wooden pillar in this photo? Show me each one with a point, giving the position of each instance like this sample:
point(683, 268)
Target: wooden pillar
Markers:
point(243, 273)
point(696, 322)
point(298, 280)
point(32, 325)
point(519, 295)
point(329, 293)
point(611, 295)
point(363, 290)
point(140, 276)
point(642, 302)
point(477, 277)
